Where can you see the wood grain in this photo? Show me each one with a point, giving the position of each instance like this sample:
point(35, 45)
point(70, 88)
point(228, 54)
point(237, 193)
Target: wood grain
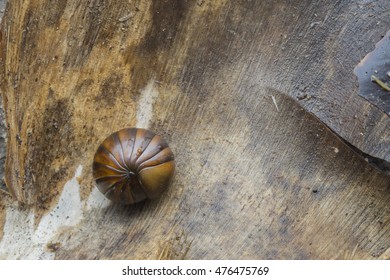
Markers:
point(258, 175)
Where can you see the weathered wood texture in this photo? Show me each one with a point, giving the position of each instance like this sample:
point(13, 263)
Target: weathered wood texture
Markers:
point(2, 124)
point(257, 175)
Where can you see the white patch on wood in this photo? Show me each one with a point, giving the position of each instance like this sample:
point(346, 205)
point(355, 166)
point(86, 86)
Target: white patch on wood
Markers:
point(96, 200)
point(21, 241)
point(66, 213)
point(145, 105)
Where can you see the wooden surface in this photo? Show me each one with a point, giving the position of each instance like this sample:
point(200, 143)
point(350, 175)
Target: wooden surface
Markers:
point(3, 130)
point(258, 176)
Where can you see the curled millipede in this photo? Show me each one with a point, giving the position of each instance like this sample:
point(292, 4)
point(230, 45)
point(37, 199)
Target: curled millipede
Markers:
point(133, 164)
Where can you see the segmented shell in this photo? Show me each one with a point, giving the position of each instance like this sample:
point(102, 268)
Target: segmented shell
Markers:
point(133, 164)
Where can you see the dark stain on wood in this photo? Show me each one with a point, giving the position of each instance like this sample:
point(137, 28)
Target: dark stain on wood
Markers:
point(98, 26)
point(209, 53)
point(51, 139)
point(53, 247)
point(166, 17)
point(110, 90)
point(148, 57)
point(54, 12)
point(83, 87)
point(28, 42)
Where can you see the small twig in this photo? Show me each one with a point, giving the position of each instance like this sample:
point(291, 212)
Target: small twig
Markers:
point(314, 24)
point(340, 62)
point(354, 251)
point(380, 83)
point(276, 105)
point(125, 18)
point(4, 190)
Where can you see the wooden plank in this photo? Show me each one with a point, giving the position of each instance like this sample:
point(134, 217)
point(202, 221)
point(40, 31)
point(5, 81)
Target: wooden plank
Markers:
point(257, 175)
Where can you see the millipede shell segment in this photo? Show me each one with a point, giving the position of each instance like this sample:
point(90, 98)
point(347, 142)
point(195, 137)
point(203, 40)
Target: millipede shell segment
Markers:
point(133, 164)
